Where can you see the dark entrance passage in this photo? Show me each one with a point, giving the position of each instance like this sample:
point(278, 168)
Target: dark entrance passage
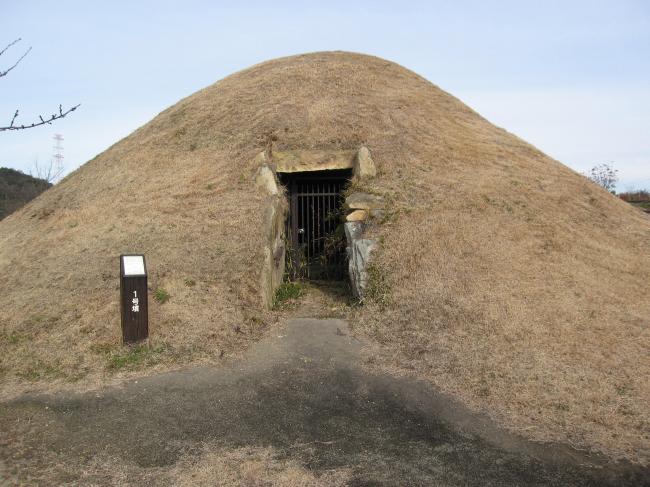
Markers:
point(315, 234)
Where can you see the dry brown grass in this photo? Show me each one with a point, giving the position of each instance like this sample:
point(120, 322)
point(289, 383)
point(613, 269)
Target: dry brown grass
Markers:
point(212, 467)
point(512, 281)
point(254, 467)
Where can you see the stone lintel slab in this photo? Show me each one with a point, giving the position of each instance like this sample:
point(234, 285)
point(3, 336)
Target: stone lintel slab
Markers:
point(313, 160)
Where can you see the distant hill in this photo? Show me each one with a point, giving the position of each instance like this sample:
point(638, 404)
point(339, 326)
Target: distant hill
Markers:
point(18, 189)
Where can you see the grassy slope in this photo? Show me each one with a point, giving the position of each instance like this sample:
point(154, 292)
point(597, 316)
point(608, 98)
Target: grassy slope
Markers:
point(512, 281)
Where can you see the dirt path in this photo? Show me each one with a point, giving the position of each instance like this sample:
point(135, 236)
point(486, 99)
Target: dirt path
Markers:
point(299, 409)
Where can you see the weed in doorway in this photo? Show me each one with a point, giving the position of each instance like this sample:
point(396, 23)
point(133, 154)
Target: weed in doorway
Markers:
point(287, 292)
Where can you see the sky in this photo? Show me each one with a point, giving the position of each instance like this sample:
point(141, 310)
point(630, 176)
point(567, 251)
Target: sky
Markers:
point(570, 77)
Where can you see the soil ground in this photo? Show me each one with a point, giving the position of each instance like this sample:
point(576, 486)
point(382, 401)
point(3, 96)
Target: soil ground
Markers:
point(298, 409)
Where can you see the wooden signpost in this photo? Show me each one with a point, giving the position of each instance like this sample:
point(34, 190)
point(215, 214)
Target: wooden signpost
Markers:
point(133, 299)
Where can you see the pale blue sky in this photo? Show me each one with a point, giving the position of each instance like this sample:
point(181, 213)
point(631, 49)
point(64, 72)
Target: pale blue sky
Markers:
point(573, 78)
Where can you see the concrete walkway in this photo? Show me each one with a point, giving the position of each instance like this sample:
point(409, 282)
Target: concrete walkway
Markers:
point(305, 394)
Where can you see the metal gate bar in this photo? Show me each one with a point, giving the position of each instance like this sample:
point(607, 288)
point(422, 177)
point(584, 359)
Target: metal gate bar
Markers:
point(314, 217)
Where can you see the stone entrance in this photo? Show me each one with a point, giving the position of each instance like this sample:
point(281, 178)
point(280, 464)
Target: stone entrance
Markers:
point(313, 231)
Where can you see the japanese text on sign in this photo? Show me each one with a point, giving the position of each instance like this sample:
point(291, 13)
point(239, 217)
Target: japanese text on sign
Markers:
point(136, 302)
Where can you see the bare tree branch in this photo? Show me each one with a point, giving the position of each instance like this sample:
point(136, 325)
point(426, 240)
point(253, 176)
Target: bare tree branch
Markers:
point(4, 73)
point(604, 175)
point(43, 121)
point(47, 172)
point(13, 119)
point(9, 45)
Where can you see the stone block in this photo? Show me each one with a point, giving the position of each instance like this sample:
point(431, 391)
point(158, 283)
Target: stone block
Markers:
point(265, 179)
point(359, 252)
point(364, 201)
point(364, 166)
point(357, 216)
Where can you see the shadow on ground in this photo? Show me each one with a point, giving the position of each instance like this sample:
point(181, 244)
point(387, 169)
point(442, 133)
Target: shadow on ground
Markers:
point(304, 394)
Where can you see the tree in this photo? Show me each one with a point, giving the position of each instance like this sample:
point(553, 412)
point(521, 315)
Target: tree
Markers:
point(604, 175)
point(47, 172)
point(42, 121)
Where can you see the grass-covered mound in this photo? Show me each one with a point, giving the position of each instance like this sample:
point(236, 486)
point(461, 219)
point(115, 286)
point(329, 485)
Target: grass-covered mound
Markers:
point(502, 276)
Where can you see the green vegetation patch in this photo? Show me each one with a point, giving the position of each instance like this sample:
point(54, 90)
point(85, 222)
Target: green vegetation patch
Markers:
point(102, 348)
point(135, 356)
point(642, 204)
point(14, 338)
point(40, 370)
point(287, 292)
point(161, 295)
point(129, 357)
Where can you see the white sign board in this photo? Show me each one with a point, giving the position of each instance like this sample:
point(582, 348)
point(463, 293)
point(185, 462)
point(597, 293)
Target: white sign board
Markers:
point(133, 265)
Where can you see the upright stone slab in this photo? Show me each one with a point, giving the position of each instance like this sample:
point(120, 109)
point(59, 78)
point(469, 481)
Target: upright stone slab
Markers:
point(359, 251)
point(364, 166)
point(265, 179)
point(274, 248)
